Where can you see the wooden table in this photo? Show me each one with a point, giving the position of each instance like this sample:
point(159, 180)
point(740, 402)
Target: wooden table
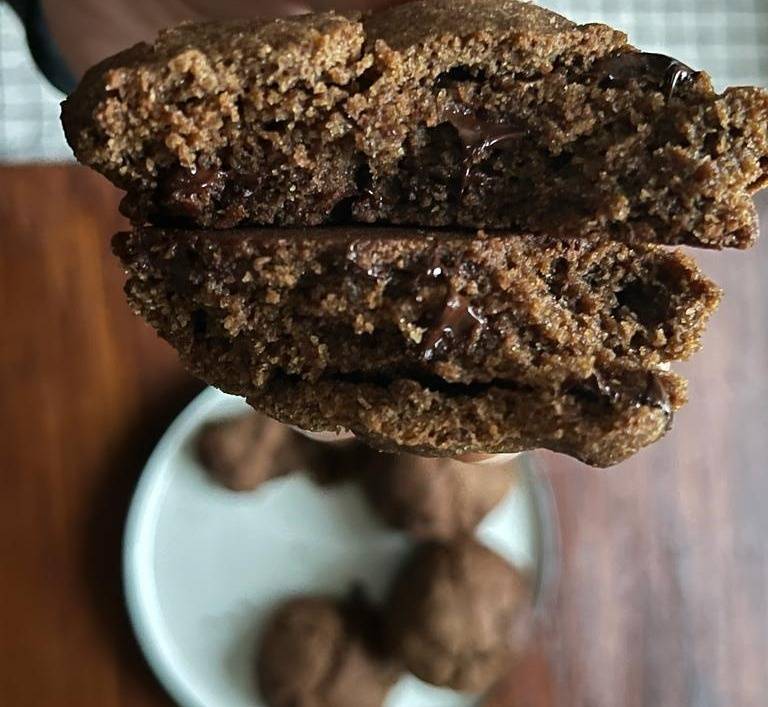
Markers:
point(664, 592)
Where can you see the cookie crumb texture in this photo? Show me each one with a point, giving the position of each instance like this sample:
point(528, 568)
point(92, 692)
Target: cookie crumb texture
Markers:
point(456, 614)
point(482, 113)
point(438, 343)
point(319, 652)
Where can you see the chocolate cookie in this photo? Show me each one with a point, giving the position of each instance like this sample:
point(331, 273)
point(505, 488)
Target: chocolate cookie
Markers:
point(316, 652)
point(437, 342)
point(434, 498)
point(481, 113)
point(455, 611)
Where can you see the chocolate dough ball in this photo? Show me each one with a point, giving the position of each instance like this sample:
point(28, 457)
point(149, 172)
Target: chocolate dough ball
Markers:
point(316, 652)
point(453, 612)
point(243, 452)
point(435, 498)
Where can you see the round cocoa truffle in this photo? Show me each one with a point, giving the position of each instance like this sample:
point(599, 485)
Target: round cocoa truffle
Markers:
point(454, 610)
point(435, 498)
point(316, 652)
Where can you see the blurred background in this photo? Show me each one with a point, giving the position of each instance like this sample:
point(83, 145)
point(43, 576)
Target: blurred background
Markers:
point(663, 597)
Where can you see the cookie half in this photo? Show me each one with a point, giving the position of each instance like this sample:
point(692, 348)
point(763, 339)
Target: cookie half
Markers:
point(437, 342)
point(482, 113)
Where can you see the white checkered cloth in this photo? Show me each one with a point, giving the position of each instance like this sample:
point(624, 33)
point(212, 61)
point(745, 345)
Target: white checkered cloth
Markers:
point(29, 106)
point(728, 38)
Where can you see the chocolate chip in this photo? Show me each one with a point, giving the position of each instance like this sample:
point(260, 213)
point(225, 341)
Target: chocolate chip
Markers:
point(199, 323)
point(595, 388)
point(477, 136)
point(619, 69)
point(655, 395)
point(180, 266)
point(189, 192)
point(342, 211)
point(458, 322)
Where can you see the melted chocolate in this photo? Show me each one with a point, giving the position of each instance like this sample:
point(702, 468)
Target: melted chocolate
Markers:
point(477, 136)
point(186, 192)
point(199, 323)
point(458, 321)
point(656, 396)
point(180, 267)
point(595, 388)
point(602, 387)
point(618, 70)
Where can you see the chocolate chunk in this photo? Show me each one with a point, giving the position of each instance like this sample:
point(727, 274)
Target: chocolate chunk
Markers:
point(655, 395)
point(477, 136)
point(618, 70)
point(458, 322)
point(199, 323)
point(596, 389)
point(188, 192)
point(597, 383)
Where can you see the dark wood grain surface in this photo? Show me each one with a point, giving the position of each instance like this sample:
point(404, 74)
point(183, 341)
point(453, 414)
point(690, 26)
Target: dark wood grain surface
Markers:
point(663, 599)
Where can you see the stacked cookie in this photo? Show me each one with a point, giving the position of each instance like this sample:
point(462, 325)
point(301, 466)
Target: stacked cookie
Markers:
point(439, 225)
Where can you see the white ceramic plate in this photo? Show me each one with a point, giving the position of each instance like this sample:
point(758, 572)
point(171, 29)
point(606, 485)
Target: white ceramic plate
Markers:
point(204, 565)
